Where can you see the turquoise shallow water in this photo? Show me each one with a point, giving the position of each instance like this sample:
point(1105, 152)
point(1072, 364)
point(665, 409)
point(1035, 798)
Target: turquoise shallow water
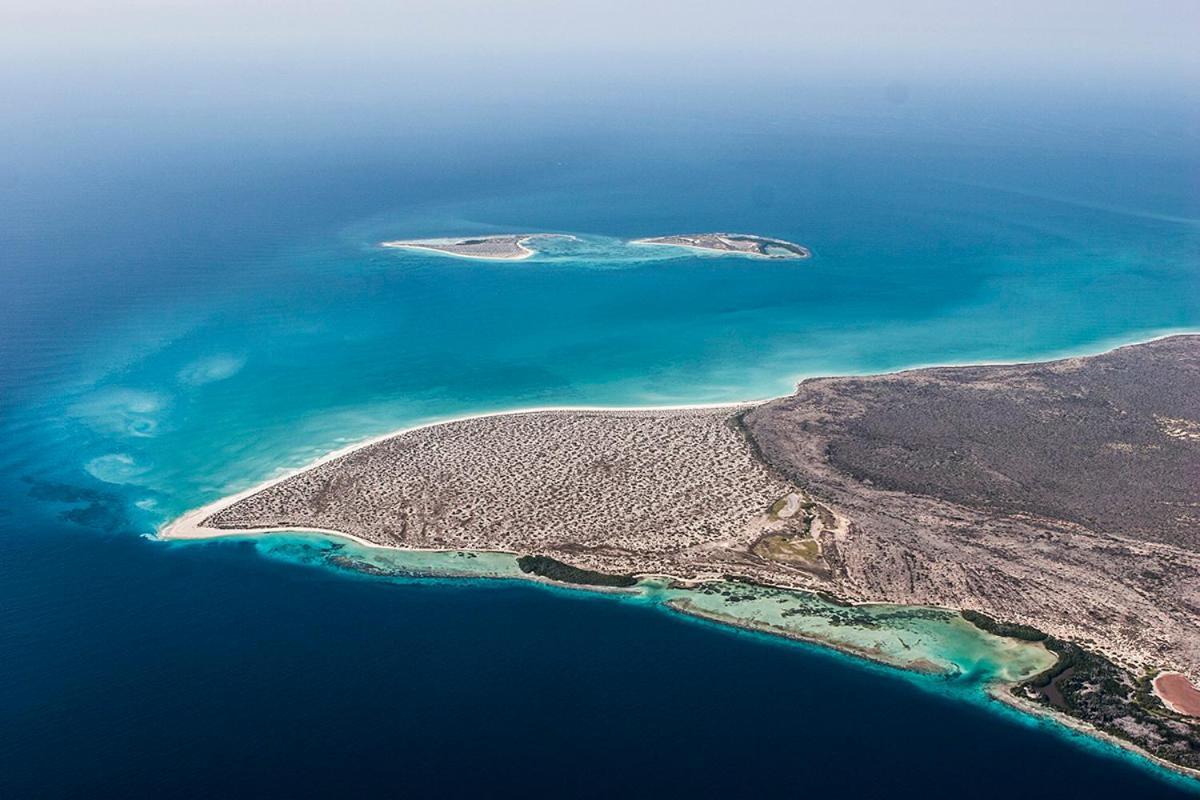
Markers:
point(334, 339)
point(176, 327)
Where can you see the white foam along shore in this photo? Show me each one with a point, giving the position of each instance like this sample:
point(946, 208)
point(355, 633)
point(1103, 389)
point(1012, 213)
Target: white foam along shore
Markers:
point(188, 525)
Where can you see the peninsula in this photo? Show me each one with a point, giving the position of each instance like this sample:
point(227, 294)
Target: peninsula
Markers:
point(506, 247)
point(1057, 502)
point(735, 243)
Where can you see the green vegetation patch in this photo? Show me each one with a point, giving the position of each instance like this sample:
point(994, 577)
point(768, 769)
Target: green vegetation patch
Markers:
point(558, 571)
point(1011, 630)
point(1089, 687)
point(788, 549)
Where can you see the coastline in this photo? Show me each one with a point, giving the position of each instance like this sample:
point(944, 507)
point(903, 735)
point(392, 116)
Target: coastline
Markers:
point(682, 606)
point(187, 527)
point(1000, 694)
point(184, 525)
point(999, 690)
point(995, 689)
point(1099, 348)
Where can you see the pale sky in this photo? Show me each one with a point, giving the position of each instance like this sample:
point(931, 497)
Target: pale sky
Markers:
point(1150, 35)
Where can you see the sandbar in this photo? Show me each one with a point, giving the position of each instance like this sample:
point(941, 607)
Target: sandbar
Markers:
point(506, 247)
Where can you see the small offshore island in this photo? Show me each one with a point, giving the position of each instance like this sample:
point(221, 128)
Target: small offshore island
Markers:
point(735, 243)
point(1056, 505)
point(517, 246)
point(508, 247)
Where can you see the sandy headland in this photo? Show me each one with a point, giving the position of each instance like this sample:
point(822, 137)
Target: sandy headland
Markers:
point(506, 247)
point(601, 490)
point(732, 243)
point(1052, 502)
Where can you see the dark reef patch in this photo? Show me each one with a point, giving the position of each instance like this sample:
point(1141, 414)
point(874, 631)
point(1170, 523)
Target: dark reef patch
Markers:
point(95, 509)
point(556, 570)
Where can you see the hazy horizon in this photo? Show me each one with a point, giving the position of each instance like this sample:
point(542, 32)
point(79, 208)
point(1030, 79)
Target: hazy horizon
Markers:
point(1116, 39)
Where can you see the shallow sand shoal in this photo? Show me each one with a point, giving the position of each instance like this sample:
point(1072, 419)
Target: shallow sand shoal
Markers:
point(524, 252)
point(507, 247)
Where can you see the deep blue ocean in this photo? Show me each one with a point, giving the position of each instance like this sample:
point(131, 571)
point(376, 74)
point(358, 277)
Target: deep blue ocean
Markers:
point(192, 297)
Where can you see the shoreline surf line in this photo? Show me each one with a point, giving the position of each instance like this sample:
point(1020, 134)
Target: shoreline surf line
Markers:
point(1099, 348)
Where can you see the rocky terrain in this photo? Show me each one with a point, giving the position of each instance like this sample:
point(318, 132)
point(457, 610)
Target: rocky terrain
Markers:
point(1063, 494)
